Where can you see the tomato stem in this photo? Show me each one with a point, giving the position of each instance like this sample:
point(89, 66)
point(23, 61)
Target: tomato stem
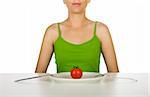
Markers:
point(75, 67)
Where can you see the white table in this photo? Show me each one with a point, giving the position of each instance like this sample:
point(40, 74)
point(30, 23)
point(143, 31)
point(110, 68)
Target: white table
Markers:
point(109, 86)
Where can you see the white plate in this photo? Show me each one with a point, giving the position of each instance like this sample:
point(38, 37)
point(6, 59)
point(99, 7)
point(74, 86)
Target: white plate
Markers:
point(86, 77)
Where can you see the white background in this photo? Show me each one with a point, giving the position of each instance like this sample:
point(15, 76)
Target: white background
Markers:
point(23, 23)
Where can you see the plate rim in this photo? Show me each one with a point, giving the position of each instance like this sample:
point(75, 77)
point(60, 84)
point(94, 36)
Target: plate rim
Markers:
point(99, 76)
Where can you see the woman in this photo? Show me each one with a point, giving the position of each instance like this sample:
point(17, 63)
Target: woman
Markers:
point(77, 41)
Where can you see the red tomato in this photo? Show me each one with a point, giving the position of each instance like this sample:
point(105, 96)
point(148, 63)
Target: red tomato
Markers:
point(76, 73)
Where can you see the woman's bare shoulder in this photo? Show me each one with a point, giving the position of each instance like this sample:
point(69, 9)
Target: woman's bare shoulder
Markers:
point(102, 31)
point(52, 28)
point(51, 32)
point(101, 27)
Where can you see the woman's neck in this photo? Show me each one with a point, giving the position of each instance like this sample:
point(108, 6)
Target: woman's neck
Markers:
point(77, 20)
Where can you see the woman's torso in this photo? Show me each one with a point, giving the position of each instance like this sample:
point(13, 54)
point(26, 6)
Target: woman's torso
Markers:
point(77, 47)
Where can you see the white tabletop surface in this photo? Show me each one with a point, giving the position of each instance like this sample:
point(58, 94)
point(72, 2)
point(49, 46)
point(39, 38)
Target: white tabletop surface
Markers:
point(111, 85)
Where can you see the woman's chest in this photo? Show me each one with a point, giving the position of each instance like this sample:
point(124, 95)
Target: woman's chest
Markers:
point(77, 36)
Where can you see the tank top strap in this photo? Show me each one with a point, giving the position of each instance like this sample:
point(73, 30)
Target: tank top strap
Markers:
point(95, 27)
point(58, 29)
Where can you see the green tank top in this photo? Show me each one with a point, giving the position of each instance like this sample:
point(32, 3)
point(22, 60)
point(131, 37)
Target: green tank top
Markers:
point(86, 55)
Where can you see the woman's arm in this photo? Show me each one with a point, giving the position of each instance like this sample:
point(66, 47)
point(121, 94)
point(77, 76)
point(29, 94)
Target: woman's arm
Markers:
point(107, 48)
point(46, 50)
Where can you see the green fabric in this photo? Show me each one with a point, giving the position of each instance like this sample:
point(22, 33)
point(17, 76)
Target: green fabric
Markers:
point(86, 55)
